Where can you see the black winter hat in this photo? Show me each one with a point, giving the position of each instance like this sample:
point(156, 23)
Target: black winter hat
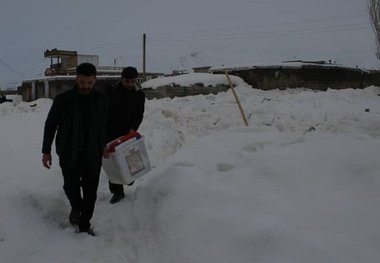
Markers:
point(129, 73)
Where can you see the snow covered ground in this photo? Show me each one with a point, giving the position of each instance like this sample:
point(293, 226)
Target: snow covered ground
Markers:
point(300, 184)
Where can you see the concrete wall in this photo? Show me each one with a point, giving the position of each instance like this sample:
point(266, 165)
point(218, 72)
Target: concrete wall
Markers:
point(55, 87)
point(266, 78)
point(313, 77)
point(182, 91)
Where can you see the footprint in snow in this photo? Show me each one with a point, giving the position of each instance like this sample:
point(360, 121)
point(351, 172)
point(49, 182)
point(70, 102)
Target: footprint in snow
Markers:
point(224, 167)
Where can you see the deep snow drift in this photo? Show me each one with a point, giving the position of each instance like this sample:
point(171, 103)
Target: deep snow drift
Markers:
point(301, 184)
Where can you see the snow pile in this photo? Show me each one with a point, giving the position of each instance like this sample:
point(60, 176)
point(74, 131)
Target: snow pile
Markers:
point(300, 184)
point(16, 106)
point(178, 121)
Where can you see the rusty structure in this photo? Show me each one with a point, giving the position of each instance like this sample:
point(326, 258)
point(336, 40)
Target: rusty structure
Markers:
point(60, 61)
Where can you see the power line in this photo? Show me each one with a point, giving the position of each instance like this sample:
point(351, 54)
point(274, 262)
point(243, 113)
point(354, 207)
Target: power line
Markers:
point(302, 22)
point(11, 68)
point(132, 45)
point(264, 34)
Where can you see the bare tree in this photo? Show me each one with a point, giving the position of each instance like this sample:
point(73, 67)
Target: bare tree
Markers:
point(374, 14)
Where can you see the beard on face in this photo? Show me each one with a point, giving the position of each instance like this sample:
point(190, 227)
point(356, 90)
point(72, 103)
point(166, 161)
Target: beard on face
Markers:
point(84, 91)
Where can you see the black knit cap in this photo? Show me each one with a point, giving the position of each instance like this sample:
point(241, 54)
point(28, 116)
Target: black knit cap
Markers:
point(129, 73)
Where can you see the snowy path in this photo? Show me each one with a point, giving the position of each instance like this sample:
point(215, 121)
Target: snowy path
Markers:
point(219, 192)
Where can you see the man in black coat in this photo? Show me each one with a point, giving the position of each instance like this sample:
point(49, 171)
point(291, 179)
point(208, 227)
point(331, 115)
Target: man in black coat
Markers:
point(79, 118)
point(126, 111)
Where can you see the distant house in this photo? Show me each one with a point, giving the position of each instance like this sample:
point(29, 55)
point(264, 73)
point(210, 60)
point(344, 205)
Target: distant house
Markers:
point(318, 75)
point(50, 87)
point(205, 69)
point(177, 72)
point(61, 73)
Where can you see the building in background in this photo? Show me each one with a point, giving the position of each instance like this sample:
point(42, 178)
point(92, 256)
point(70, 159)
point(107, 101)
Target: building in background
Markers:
point(205, 69)
point(61, 74)
point(317, 75)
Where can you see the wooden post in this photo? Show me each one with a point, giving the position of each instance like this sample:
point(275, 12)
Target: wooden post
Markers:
point(237, 99)
point(144, 58)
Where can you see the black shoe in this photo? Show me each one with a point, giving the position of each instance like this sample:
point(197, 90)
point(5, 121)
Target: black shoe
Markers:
point(117, 197)
point(131, 183)
point(74, 216)
point(89, 231)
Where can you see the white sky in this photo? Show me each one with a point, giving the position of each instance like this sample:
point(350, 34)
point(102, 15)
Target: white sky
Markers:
point(182, 34)
point(300, 184)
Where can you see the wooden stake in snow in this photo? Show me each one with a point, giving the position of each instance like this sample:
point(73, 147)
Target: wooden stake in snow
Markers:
point(236, 98)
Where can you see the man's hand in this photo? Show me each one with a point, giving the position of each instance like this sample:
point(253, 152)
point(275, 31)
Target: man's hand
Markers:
point(46, 160)
point(106, 152)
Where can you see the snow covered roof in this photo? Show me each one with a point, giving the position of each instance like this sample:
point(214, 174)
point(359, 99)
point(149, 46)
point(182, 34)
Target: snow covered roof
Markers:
point(289, 64)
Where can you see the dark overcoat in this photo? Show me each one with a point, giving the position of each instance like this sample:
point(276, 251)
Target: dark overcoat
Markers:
point(79, 122)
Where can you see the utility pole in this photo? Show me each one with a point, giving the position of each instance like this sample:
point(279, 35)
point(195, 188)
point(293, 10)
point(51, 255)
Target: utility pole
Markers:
point(114, 63)
point(144, 57)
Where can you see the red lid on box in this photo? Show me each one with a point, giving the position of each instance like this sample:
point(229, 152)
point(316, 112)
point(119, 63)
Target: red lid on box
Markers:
point(122, 139)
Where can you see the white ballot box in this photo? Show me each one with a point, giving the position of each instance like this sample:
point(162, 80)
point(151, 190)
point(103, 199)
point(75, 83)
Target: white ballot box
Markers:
point(128, 159)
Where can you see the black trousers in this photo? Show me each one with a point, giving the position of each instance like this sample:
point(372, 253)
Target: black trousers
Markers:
point(80, 183)
point(115, 188)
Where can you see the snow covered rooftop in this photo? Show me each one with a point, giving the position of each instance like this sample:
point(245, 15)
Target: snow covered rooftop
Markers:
point(290, 64)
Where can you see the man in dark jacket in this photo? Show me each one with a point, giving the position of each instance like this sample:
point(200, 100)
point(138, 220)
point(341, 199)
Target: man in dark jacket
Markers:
point(79, 118)
point(126, 111)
